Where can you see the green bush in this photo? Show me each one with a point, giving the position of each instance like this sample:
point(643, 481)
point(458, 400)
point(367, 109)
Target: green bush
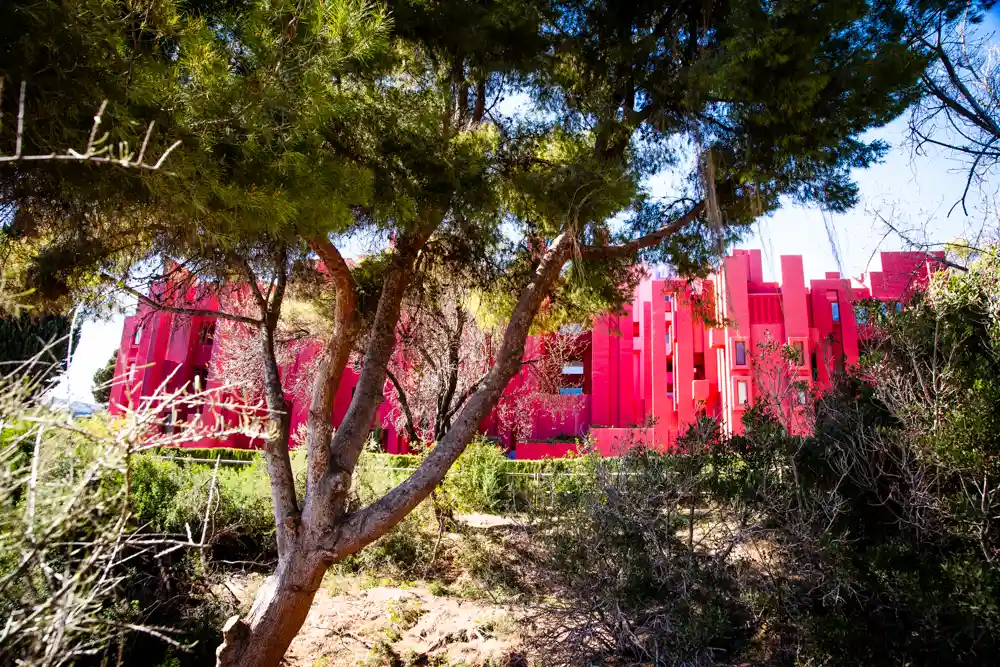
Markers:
point(478, 481)
point(483, 479)
point(169, 496)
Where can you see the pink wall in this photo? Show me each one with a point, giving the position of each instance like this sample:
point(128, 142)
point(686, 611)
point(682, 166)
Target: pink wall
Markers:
point(658, 363)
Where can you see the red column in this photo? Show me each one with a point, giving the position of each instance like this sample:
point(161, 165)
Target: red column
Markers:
point(646, 361)
point(662, 406)
point(626, 396)
point(683, 341)
point(601, 371)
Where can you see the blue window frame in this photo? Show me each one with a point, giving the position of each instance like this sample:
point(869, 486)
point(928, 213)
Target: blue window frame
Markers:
point(571, 391)
point(835, 308)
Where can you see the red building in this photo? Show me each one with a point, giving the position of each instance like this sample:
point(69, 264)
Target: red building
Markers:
point(681, 349)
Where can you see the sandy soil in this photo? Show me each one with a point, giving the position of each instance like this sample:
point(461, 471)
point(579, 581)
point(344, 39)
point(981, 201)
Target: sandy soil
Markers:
point(349, 625)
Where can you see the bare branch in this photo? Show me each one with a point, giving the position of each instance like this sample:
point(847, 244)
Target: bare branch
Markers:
point(93, 152)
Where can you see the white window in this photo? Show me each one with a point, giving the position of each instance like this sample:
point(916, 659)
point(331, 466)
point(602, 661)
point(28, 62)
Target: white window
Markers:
point(137, 335)
point(131, 371)
point(742, 397)
point(803, 396)
point(573, 368)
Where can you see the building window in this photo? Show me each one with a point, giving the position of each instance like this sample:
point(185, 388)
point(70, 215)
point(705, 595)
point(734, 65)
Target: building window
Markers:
point(799, 350)
point(137, 334)
point(860, 313)
point(668, 339)
point(168, 423)
point(573, 368)
point(899, 306)
point(742, 396)
point(885, 311)
point(667, 298)
point(571, 391)
point(206, 333)
point(131, 371)
point(835, 309)
point(740, 353)
point(803, 397)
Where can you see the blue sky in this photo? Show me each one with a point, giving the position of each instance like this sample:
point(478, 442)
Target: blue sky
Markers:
point(916, 191)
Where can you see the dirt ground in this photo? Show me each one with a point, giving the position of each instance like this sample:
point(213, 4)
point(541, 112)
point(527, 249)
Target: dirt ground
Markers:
point(389, 625)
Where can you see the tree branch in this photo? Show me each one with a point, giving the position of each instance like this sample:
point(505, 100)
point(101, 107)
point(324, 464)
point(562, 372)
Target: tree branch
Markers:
point(335, 356)
point(651, 239)
point(350, 437)
point(279, 464)
point(371, 522)
point(193, 312)
point(411, 430)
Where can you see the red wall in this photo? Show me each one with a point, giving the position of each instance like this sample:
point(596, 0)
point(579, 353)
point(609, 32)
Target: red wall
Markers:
point(649, 371)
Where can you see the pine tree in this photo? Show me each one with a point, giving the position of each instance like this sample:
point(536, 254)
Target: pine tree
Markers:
point(306, 123)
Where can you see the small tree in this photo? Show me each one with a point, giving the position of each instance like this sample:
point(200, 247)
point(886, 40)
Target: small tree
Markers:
point(104, 378)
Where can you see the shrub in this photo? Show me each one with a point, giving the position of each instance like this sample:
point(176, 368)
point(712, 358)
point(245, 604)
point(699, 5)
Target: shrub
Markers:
point(170, 496)
point(630, 587)
point(478, 481)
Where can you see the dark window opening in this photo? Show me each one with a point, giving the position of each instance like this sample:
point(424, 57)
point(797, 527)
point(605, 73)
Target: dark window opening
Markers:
point(740, 353)
point(815, 368)
point(167, 426)
point(206, 333)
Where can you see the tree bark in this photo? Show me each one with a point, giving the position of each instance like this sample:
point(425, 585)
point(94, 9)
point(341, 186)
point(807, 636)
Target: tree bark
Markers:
point(279, 465)
point(336, 354)
point(278, 612)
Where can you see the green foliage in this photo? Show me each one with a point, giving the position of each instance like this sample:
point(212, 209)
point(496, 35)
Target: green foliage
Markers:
point(103, 379)
point(478, 480)
point(34, 347)
point(483, 479)
point(634, 588)
point(169, 496)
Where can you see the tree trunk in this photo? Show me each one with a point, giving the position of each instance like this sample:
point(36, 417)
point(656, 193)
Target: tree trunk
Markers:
point(279, 610)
